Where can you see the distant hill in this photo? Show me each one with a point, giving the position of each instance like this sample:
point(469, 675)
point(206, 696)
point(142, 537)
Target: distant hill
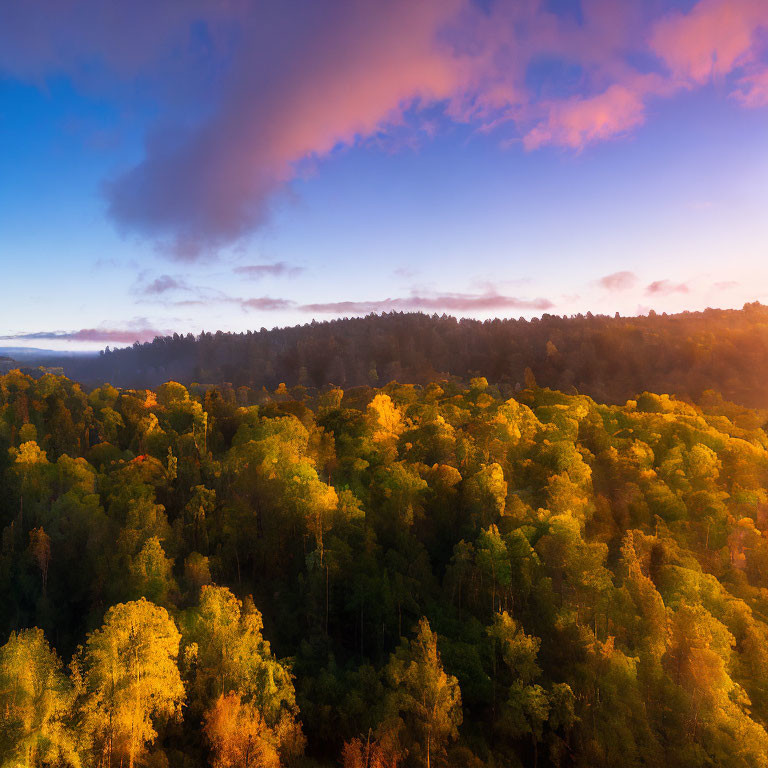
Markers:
point(33, 353)
point(609, 358)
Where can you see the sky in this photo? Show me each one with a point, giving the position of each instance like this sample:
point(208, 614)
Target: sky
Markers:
point(233, 164)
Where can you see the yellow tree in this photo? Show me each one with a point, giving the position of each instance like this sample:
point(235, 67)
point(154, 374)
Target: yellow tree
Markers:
point(130, 680)
point(227, 653)
point(386, 423)
point(35, 698)
point(239, 736)
point(30, 466)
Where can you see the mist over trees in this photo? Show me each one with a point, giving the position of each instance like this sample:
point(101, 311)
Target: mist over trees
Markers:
point(437, 575)
point(608, 358)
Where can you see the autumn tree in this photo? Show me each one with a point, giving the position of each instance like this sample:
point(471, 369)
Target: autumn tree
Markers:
point(129, 681)
point(227, 653)
point(35, 704)
point(239, 736)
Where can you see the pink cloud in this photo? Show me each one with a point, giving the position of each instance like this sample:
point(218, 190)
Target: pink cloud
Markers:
point(579, 121)
point(337, 74)
point(752, 89)
point(618, 281)
point(267, 89)
point(709, 41)
point(666, 287)
point(262, 303)
point(265, 303)
point(416, 302)
point(451, 302)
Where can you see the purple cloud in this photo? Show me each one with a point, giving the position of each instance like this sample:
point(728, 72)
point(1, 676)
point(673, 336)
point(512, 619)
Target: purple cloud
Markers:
point(163, 284)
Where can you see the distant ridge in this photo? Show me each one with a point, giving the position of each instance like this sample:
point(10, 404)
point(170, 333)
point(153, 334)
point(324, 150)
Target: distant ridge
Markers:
point(611, 358)
point(27, 353)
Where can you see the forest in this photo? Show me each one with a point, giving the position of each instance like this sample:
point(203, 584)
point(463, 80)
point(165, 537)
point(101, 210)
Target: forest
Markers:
point(413, 575)
point(609, 358)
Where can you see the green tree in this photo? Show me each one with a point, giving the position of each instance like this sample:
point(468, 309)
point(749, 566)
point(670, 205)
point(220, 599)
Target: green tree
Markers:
point(526, 705)
point(423, 697)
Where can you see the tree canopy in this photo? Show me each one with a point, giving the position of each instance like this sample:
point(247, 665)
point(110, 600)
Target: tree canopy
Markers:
point(436, 575)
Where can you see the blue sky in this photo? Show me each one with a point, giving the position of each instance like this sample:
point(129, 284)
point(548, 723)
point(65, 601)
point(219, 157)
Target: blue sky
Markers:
point(585, 188)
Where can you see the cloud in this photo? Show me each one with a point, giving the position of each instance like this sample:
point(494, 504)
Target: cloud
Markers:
point(336, 72)
point(711, 40)
point(415, 302)
point(93, 335)
point(264, 303)
point(163, 284)
point(752, 89)
point(618, 281)
point(451, 302)
point(665, 288)
point(252, 94)
point(581, 121)
point(278, 269)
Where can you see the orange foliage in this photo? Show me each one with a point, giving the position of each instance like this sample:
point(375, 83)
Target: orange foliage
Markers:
point(239, 736)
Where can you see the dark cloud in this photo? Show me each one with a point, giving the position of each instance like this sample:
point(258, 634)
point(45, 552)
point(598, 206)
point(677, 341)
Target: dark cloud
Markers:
point(618, 281)
point(666, 288)
point(278, 269)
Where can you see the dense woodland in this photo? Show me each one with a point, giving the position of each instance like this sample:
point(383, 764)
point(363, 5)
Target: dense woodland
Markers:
point(609, 358)
point(405, 576)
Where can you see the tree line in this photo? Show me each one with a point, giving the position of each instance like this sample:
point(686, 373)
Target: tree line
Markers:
point(432, 575)
point(608, 358)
